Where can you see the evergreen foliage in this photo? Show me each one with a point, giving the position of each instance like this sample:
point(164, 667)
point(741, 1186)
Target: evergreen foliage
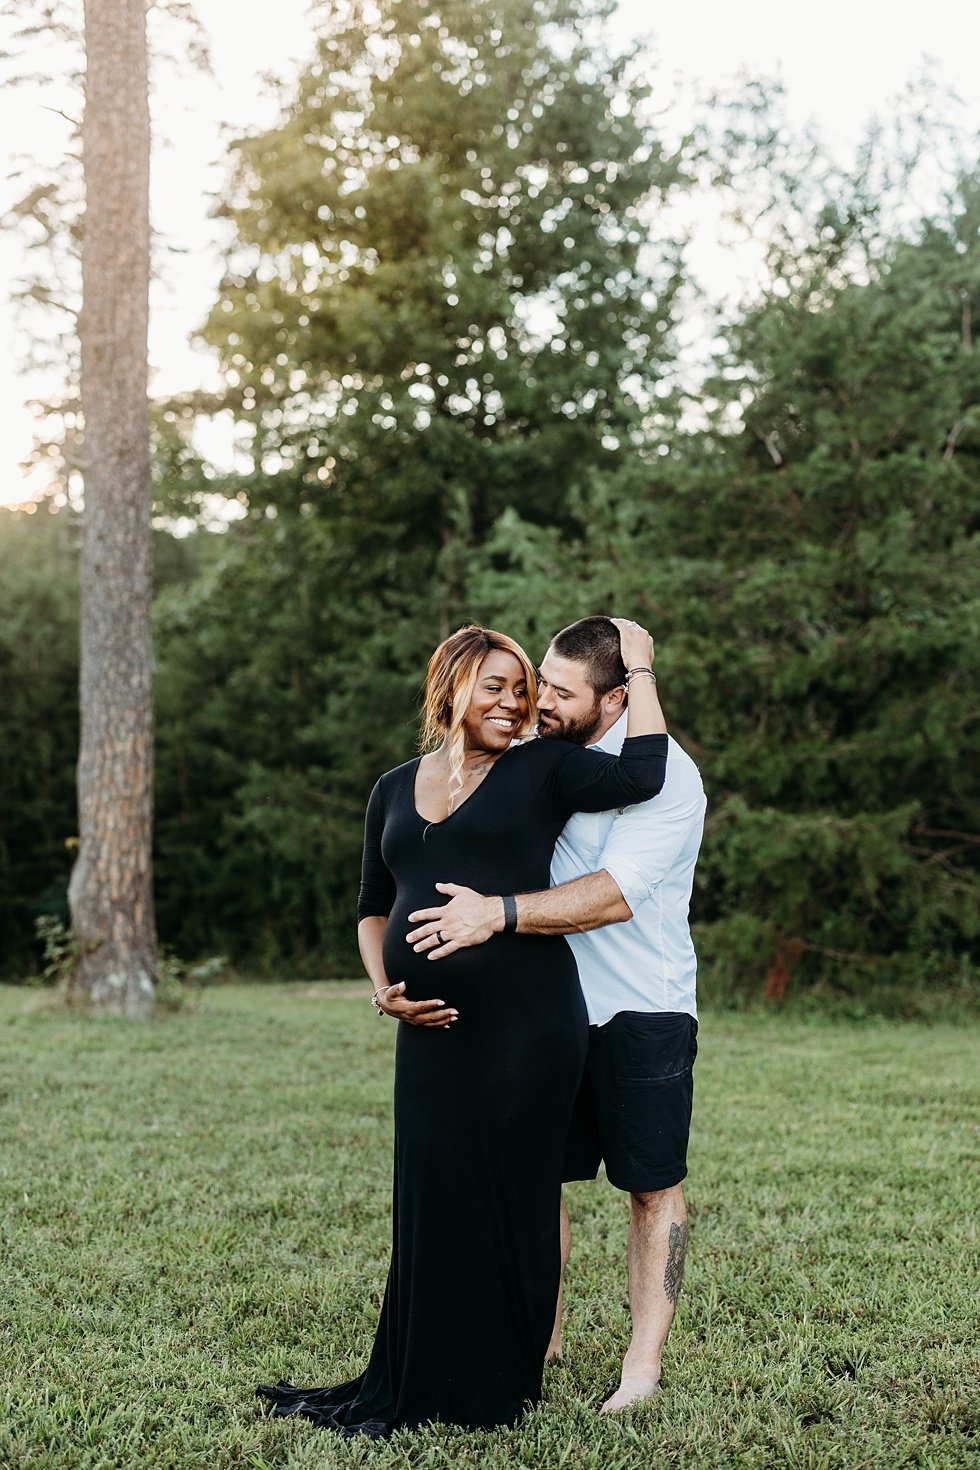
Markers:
point(447, 342)
point(38, 726)
point(808, 558)
point(840, 622)
point(435, 309)
point(39, 716)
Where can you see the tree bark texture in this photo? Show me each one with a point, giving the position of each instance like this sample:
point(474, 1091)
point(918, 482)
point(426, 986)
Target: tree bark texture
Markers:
point(111, 889)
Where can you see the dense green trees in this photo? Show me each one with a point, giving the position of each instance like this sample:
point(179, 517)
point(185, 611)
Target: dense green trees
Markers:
point(436, 307)
point(447, 342)
point(842, 627)
point(38, 726)
point(809, 558)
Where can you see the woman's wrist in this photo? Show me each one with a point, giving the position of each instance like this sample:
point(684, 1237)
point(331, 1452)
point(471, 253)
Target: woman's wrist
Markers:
point(644, 714)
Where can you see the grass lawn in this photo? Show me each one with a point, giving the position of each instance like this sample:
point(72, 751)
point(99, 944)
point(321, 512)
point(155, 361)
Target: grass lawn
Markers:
point(200, 1203)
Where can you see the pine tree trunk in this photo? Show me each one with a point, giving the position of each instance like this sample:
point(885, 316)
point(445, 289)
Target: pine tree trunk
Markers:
point(111, 889)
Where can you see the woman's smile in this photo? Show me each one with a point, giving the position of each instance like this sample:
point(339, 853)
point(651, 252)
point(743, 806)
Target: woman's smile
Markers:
point(499, 701)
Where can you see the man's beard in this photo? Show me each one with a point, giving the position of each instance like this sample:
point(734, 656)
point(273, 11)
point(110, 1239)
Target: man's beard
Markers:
point(579, 731)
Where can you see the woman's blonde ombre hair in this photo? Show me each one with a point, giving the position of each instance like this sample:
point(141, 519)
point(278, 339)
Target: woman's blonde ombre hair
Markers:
point(451, 678)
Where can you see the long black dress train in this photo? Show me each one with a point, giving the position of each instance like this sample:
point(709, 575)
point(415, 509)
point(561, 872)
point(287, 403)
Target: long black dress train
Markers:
point(481, 1109)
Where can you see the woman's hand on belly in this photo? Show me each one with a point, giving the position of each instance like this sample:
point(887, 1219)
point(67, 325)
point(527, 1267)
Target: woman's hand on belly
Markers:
point(416, 1012)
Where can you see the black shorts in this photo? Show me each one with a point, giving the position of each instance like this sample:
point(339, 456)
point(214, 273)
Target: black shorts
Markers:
point(633, 1110)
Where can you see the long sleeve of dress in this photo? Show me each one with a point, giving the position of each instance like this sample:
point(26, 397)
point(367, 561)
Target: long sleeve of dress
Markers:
point(377, 895)
point(590, 781)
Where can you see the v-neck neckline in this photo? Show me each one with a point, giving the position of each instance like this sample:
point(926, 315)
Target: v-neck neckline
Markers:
point(441, 821)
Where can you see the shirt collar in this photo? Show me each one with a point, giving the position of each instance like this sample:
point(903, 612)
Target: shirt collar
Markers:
point(612, 742)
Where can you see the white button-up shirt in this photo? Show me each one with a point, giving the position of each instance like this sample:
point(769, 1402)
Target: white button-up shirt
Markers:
point(647, 963)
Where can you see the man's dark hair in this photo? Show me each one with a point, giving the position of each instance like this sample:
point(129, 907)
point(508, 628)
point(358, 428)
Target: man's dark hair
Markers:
point(595, 643)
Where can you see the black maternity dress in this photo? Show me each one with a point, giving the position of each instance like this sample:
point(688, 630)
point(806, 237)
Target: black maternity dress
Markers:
point(481, 1109)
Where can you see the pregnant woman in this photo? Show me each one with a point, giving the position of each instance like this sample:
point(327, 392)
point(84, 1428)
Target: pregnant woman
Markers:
point(484, 1082)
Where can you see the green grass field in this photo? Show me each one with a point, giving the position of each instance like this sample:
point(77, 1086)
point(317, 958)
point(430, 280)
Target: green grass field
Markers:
point(197, 1204)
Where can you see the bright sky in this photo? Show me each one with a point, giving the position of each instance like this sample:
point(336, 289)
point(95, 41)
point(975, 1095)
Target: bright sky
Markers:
point(841, 62)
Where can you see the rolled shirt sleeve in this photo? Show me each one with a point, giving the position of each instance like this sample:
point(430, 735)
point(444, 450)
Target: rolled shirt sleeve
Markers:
point(645, 842)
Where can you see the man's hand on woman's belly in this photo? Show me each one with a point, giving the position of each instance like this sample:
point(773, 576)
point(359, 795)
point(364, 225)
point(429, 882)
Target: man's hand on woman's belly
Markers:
point(468, 918)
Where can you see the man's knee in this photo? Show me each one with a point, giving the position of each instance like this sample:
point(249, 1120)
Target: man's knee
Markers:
point(654, 1201)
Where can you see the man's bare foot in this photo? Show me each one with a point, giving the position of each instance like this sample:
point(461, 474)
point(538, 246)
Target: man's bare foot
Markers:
point(631, 1391)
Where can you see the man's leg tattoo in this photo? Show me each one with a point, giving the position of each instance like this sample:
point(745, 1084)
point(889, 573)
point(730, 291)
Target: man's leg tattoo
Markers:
point(674, 1270)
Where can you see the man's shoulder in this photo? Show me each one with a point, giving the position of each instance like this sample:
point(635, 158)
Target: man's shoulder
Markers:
point(682, 783)
point(682, 792)
point(684, 765)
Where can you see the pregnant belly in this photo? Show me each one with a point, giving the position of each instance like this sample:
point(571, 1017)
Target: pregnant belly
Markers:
point(513, 963)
